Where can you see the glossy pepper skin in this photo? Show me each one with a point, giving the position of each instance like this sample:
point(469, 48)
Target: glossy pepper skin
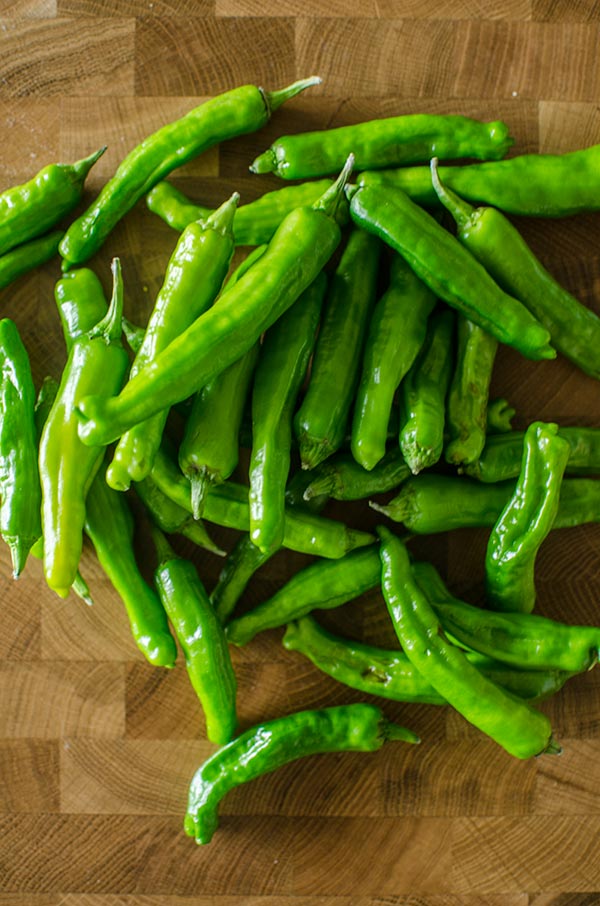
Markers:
point(31, 209)
point(26, 257)
point(20, 494)
point(268, 746)
point(388, 142)
point(526, 641)
point(520, 729)
point(525, 521)
point(254, 223)
point(491, 238)
point(467, 403)
point(282, 366)
point(96, 360)
point(423, 395)
point(396, 333)
point(169, 517)
point(193, 278)
point(298, 251)
point(391, 675)
point(440, 503)
point(109, 525)
point(322, 585)
point(321, 421)
point(232, 113)
point(501, 457)
point(202, 639)
point(449, 270)
point(209, 451)
point(228, 505)
point(342, 478)
point(535, 185)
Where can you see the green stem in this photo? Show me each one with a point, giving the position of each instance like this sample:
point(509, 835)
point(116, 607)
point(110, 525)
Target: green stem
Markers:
point(82, 167)
point(458, 208)
point(111, 325)
point(330, 198)
point(164, 551)
point(275, 99)
point(221, 220)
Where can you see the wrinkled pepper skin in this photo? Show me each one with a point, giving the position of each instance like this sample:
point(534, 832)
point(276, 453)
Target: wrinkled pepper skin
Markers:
point(202, 639)
point(467, 404)
point(298, 251)
point(515, 725)
point(391, 675)
point(525, 641)
point(26, 257)
point(230, 114)
point(254, 223)
point(525, 521)
point(193, 278)
point(342, 478)
point(20, 494)
point(449, 270)
point(282, 366)
point(499, 416)
point(423, 395)
point(501, 457)
point(31, 209)
point(268, 746)
point(395, 336)
point(96, 360)
point(387, 142)
point(491, 238)
point(534, 185)
point(321, 421)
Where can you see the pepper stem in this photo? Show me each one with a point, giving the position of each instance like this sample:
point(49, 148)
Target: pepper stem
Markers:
point(553, 748)
point(80, 587)
point(264, 163)
point(199, 485)
point(111, 325)
point(164, 551)
point(275, 99)
point(331, 197)
point(324, 484)
point(458, 208)
point(134, 334)
point(195, 531)
point(82, 167)
point(221, 220)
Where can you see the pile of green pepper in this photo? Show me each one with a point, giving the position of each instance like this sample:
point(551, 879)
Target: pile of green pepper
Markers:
point(351, 351)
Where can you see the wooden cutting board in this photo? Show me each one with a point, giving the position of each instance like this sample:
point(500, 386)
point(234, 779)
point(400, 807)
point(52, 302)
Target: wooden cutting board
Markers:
point(96, 747)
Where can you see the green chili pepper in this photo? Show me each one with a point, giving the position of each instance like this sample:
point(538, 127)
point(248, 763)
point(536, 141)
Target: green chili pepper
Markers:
point(28, 210)
point(466, 408)
point(342, 478)
point(423, 396)
point(536, 185)
point(526, 641)
point(298, 251)
point(268, 746)
point(201, 637)
point(209, 451)
point(320, 423)
point(192, 281)
point(282, 366)
point(233, 113)
point(173, 519)
point(81, 303)
point(97, 359)
point(322, 585)
point(526, 520)
point(440, 503)
point(228, 505)
point(520, 729)
point(43, 406)
point(498, 245)
point(20, 494)
point(24, 258)
point(499, 417)
point(254, 224)
point(386, 142)
point(396, 334)
point(390, 674)
point(502, 454)
point(109, 525)
point(448, 268)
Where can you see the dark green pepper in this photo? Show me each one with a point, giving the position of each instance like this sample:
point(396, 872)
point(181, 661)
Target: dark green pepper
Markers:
point(169, 517)
point(24, 258)
point(502, 454)
point(342, 478)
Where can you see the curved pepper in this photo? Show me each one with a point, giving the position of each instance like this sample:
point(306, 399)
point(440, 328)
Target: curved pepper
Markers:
point(342, 478)
point(24, 258)
point(268, 746)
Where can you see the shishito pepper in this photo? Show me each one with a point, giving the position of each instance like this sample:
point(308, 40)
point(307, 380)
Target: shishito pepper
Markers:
point(233, 113)
point(298, 251)
point(97, 360)
point(268, 746)
point(23, 258)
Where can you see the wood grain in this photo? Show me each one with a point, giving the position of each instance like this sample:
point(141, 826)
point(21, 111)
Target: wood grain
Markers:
point(96, 747)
